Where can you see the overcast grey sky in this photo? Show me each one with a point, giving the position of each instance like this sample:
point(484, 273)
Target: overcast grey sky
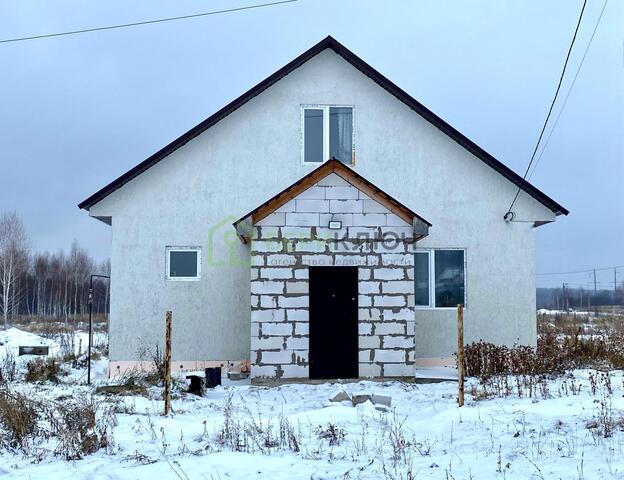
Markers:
point(78, 111)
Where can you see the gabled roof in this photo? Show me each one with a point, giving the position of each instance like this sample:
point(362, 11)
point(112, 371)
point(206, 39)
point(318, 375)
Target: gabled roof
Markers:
point(315, 176)
point(366, 69)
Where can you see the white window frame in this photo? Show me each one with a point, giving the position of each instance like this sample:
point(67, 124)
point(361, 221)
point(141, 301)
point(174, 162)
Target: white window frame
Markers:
point(170, 249)
point(325, 109)
point(431, 257)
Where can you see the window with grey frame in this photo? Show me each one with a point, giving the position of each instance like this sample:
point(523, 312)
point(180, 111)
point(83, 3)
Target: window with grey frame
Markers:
point(183, 263)
point(440, 278)
point(327, 133)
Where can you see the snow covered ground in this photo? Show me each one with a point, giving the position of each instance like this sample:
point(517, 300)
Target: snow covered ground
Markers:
point(295, 432)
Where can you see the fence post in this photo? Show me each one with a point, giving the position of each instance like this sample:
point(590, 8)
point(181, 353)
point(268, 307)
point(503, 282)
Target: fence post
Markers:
point(460, 354)
point(167, 361)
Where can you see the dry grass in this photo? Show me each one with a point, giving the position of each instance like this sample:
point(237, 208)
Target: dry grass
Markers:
point(565, 342)
point(43, 370)
point(70, 428)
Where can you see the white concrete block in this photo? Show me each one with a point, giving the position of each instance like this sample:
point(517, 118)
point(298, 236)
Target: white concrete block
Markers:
point(287, 207)
point(255, 329)
point(354, 260)
point(273, 273)
point(398, 341)
point(333, 180)
point(271, 315)
point(302, 219)
point(345, 206)
point(312, 193)
point(278, 357)
point(389, 301)
point(369, 370)
point(256, 260)
point(280, 260)
point(395, 220)
point(296, 232)
point(393, 356)
point(389, 328)
point(267, 233)
point(316, 246)
point(264, 371)
point(369, 287)
point(341, 193)
point(317, 260)
point(369, 341)
point(277, 219)
point(365, 301)
point(368, 314)
point(364, 355)
point(399, 370)
point(268, 301)
point(277, 329)
point(398, 259)
point(267, 343)
point(313, 206)
point(364, 273)
point(389, 273)
point(295, 371)
point(369, 219)
point(302, 328)
point(365, 328)
point(372, 206)
point(297, 343)
point(402, 314)
point(302, 273)
point(298, 287)
point(295, 315)
point(265, 286)
point(294, 302)
point(264, 246)
point(399, 286)
point(372, 260)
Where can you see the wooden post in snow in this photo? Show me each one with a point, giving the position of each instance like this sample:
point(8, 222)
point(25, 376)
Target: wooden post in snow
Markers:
point(460, 354)
point(167, 361)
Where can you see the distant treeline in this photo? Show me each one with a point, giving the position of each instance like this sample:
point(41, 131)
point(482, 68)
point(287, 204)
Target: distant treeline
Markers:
point(578, 298)
point(46, 285)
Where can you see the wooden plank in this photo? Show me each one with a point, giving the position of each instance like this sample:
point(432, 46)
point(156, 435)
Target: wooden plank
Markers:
point(167, 361)
point(460, 355)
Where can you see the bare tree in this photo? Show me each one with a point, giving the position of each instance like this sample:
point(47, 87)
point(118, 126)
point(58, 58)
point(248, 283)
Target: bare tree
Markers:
point(13, 262)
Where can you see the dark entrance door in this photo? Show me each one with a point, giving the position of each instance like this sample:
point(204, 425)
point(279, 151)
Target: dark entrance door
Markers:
point(333, 322)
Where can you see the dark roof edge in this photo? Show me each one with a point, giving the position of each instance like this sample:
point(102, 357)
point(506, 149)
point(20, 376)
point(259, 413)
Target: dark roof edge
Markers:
point(365, 68)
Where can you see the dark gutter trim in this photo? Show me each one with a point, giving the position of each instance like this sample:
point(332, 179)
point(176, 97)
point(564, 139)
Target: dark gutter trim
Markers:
point(366, 69)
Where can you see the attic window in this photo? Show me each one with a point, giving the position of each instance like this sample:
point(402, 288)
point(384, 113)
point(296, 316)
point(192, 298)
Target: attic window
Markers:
point(183, 263)
point(327, 132)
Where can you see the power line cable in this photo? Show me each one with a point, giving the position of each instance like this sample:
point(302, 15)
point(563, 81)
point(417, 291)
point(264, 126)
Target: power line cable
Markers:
point(509, 215)
point(570, 90)
point(145, 22)
point(582, 271)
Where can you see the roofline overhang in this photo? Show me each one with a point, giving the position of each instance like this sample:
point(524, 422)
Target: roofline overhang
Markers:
point(366, 69)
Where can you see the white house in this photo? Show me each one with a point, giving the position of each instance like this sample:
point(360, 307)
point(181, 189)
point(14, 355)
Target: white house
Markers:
point(324, 224)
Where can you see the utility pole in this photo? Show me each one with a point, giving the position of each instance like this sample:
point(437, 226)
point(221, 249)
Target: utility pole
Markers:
point(565, 297)
point(595, 291)
point(90, 324)
point(614, 287)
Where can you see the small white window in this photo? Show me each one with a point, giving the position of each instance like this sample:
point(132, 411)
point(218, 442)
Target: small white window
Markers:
point(183, 263)
point(327, 132)
point(440, 278)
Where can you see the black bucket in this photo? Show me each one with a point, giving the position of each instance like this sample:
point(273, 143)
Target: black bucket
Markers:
point(213, 377)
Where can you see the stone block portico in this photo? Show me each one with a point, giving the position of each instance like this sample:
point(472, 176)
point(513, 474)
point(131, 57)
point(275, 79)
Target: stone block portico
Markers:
point(376, 234)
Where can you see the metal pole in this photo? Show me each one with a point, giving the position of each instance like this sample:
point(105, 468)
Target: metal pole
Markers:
point(90, 323)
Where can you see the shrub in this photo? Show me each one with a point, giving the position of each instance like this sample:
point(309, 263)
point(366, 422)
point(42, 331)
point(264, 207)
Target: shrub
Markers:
point(80, 427)
point(8, 367)
point(42, 370)
point(19, 421)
